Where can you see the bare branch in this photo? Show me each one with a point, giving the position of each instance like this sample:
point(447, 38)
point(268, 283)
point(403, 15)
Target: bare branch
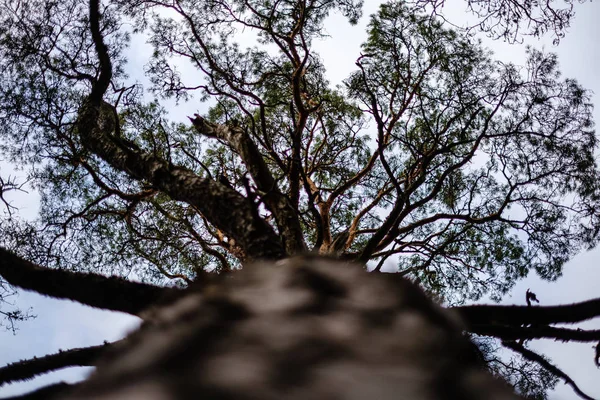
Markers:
point(45, 393)
point(532, 356)
point(27, 369)
point(518, 315)
point(536, 332)
point(111, 293)
point(10, 184)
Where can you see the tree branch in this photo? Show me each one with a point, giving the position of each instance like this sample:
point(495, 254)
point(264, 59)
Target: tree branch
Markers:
point(536, 332)
point(113, 293)
point(27, 369)
point(519, 315)
point(225, 208)
point(532, 356)
point(44, 393)
point(100, 86)
point(286, 217)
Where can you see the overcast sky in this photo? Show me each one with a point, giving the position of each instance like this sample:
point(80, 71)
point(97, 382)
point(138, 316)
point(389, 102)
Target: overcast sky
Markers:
point(64, 324)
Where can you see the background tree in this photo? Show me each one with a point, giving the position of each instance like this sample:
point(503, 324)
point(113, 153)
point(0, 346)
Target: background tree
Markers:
point(478, 171)
point(511, 20)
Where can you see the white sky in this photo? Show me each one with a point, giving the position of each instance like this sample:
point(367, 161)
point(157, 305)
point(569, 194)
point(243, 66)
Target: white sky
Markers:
point(64, 324)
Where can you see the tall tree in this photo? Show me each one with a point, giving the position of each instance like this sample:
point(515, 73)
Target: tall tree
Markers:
point(466, 171)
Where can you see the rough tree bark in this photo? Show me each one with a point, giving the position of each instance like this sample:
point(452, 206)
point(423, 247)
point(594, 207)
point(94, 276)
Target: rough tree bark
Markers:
point(305, 327)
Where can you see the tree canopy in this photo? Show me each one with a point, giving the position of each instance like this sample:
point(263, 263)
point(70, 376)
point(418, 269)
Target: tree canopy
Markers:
point(464, 171)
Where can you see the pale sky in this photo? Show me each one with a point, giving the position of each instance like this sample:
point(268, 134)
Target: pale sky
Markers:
point(64, 324)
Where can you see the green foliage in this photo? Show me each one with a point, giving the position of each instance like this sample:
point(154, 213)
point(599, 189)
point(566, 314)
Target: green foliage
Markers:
point(487, 168)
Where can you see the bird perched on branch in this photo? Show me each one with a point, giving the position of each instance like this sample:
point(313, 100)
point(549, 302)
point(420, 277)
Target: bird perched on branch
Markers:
point(529, 296)
point(197, 120)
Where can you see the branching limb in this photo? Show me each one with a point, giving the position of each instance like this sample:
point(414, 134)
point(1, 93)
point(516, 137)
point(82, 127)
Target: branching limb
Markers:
point(314, 197)
point(385, 190)
point(532, 356)
point(100, 85)
point(286, 217)
point(214, 200)
point(9, 185)
point(112, 293)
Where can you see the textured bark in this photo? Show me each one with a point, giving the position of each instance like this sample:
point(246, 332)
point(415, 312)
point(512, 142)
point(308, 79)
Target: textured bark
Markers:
point(302, 328)
point(228, 210)
point(225, 208)
point(286, 216)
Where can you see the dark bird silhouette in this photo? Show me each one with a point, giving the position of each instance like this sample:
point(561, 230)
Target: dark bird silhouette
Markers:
point(197, 121)
point(530, 296)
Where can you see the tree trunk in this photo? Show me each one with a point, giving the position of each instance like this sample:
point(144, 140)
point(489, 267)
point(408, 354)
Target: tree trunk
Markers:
point(302, 328)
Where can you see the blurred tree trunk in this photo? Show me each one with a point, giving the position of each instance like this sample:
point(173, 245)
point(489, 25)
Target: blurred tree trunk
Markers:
point(302, 328)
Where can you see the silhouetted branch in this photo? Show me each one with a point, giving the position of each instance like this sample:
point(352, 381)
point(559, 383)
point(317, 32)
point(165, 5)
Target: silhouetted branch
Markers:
point(519, 315)
point(45, 393)
point(10, 184)
point(27, 369)
point(536, 332)
point(532, 356)
point(100, 86)
point(112, 293)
